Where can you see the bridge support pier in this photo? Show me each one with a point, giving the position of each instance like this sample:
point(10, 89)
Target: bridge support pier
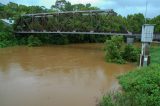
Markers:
point(130, 40)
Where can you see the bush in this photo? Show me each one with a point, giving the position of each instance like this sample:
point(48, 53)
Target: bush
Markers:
point(130, 53)
point(6, 40)
point(140, 87)
point(22, 40)
point(61, 40)
point(113, 49)
point(116, 51)
point(34, 41)
point(117, 99)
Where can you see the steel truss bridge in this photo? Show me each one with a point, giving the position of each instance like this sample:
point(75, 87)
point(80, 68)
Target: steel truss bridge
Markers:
point(66, 23)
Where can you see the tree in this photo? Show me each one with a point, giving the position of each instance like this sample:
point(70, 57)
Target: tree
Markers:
point(59, 5)
point(135, 22)
point(11, 10)
point(156, 22)
point(2, 12)
point(63, 5)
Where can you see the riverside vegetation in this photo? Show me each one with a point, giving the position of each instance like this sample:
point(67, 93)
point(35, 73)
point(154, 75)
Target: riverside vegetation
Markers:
point(118, 52)
point(140, 87)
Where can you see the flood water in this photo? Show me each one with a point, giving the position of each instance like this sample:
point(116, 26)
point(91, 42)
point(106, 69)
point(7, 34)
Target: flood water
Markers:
point(68, 75)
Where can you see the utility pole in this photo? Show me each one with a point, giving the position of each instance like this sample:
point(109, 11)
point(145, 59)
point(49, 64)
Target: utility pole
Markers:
point(146, 11)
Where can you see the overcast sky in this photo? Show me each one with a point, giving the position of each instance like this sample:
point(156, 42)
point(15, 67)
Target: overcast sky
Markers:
point(123, 7)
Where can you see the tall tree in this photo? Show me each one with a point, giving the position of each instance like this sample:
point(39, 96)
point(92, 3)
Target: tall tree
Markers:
point(135, 22)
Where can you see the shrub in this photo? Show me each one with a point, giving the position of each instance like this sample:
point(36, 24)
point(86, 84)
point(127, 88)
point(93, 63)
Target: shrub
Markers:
point(106, 100)
point(59, 40)
point(116, 51)
point(130, 53)
point(23, 40)
point(34, 41)
point(140, 87)
point(6, 40)
point(62, 40)
point(117, 99)
point(113, 49)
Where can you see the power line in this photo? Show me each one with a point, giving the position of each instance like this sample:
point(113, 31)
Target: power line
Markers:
point(146, 11)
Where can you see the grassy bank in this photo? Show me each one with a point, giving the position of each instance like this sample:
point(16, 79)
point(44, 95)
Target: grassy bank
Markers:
point(155, 55)
point(140, 87)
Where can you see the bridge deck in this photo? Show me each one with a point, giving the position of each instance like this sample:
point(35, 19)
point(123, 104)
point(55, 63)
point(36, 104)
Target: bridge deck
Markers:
point(138, 36)
point(85, 33)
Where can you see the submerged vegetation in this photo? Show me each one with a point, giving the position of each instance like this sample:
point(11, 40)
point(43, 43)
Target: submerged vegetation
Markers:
point(130, 53)
point(33, 41)
point(140, 87)
point(116, 51)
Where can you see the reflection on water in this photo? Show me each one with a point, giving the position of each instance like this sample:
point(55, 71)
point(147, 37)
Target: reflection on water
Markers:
point(71, 75)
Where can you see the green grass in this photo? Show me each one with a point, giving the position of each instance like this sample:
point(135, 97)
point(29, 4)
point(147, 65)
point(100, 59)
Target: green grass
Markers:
point(155, 55)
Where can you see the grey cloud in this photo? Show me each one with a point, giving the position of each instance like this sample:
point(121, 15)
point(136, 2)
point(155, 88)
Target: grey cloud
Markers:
point(125, 7)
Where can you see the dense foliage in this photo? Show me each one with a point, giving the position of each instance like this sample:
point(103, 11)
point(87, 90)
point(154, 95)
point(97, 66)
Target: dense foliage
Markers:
point(6, 37)
point(116, 51)
point(113, 49)
point(13, 10)
point(156, 21)
point(141, 87)
point(34, 41)
point(130, 53)
point(135, 22)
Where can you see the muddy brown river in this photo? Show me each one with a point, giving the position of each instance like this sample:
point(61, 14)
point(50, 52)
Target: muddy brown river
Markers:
point(68, 75)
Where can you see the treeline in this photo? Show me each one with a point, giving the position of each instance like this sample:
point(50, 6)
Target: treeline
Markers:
point(13, 10)
point(109, 23)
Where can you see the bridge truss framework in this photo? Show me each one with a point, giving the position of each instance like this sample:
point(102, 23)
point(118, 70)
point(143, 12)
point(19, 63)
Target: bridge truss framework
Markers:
point(26, 24)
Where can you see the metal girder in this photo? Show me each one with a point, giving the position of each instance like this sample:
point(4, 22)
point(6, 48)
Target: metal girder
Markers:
point(73, 22)
point(66, 12)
